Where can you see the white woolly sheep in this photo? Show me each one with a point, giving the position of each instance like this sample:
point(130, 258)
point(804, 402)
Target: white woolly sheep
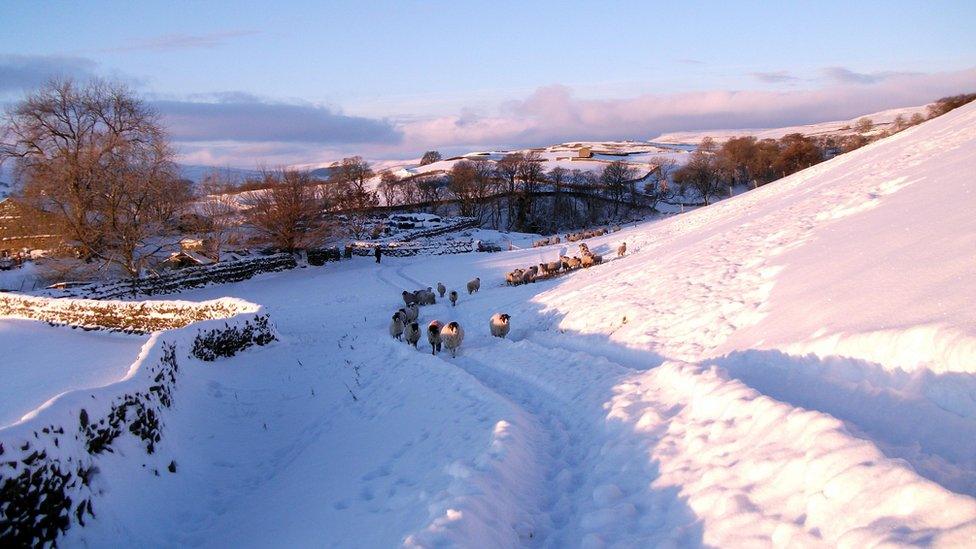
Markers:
point(434, 336)
point(453, 297)
point(441, 289)
point(474, 285)
point(411, 332)
point(396, 325)
point(499, 324)
point(451, 336)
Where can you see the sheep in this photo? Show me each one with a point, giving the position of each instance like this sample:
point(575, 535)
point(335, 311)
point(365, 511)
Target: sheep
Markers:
point(441, 289)
point(543, 272)
point(426, 297)
point(597, 259)
point(452, 335)
point(588, 261)
point(396, 325)
point(584, 249)
point(622, 249)
point(564, 262)
point(474, 285)
point(409, 298)
point(514, 278)
point(453, 297)
point(575, 262)
point(615, 228)
point(411, 333)
point(553, 267)
point(410, 313)
point(556, 239)
point(499, 324)
point(434, 336)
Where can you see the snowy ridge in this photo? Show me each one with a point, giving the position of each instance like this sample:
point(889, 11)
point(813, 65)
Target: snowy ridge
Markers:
point(882, 118)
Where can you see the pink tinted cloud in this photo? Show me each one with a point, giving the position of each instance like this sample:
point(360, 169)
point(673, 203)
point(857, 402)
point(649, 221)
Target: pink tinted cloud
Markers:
point(552, 115)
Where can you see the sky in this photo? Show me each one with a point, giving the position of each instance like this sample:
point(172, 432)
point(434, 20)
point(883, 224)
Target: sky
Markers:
point(247, 83)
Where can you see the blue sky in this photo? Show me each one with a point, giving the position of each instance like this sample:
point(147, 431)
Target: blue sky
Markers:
point(391, 79)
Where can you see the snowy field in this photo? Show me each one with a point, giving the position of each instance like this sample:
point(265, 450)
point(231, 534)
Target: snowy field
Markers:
point(794, 366)
point(40, 362)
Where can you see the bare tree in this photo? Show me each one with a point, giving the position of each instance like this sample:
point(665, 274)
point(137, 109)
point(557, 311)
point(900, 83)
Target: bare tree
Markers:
point(700, 173)
point(217, 212)
point(507, 169)
point(587, 183)
point(616, 178)
point(486, 185)
point(530, 175)
point(430, 157)
point(558, 176)
point(797, 152)
point(407, 189)
point(96, 157)
point(349, 189)
point(389, 187)
point(863, 125)
point(462, 183)
point(288, 213)
point(658, 186)
point(429, 190)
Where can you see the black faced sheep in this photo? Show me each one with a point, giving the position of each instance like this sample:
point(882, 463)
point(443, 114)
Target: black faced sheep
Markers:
point(451, 336)
point(434, 336)
point(499, 324)
point(411, 332)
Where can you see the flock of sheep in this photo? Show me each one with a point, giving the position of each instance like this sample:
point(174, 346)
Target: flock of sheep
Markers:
point(404, 324)
point(542, 271)
point(574, 237)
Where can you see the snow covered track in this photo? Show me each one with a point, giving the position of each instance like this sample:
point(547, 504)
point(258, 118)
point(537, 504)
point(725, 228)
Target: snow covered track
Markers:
point(790, 367)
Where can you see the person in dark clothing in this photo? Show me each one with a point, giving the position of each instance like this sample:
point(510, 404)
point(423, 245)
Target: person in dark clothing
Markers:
point(377, 253)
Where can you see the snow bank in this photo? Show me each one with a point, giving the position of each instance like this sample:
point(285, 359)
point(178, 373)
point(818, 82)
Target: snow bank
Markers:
point(53, 455)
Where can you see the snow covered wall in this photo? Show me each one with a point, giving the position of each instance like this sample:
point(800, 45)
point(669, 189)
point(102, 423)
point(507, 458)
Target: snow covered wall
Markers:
point(53, 456)
point(125, 316)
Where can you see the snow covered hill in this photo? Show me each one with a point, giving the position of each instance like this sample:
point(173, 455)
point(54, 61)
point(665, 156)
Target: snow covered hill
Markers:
point(881, 120)
point(792, 366)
